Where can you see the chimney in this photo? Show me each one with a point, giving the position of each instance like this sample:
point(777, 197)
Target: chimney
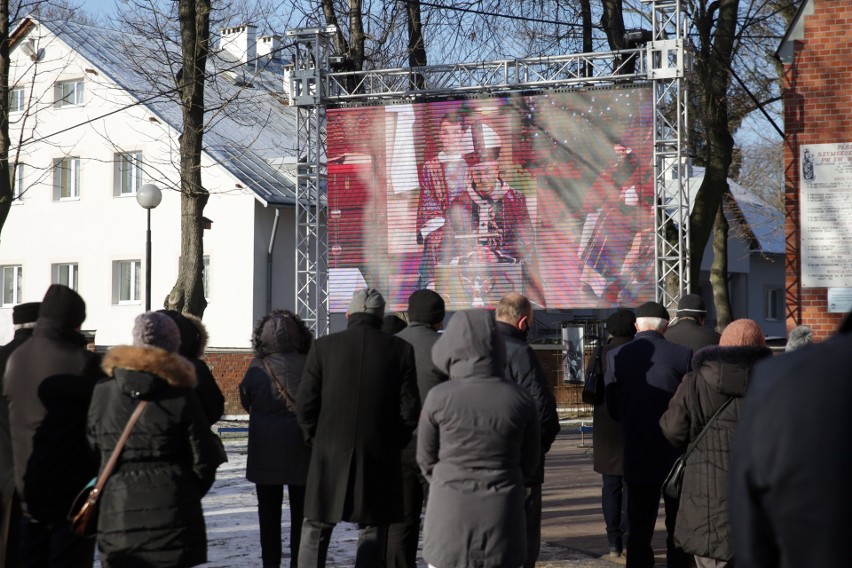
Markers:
point(269, 45)
point(237, 44)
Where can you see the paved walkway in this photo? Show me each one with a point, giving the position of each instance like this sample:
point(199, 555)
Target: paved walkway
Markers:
point(573, 531)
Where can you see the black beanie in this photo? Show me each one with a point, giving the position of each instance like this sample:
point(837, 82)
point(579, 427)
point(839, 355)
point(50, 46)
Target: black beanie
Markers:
point(64, 305)
point(25, 313)
point(652, 310)
point(426, 306)
point(621, 324)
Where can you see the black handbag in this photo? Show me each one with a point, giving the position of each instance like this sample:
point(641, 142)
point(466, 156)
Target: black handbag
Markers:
point(674, 480)
point(593, 389)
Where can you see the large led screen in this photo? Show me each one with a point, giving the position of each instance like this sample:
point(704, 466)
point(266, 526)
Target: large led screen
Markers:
point(550, 195)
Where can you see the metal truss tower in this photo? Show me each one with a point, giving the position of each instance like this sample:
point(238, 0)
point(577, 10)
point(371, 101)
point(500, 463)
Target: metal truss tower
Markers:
point(307, 91)
point(664, 62)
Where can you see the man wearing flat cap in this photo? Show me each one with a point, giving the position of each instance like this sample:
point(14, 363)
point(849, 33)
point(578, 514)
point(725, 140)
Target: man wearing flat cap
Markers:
point(24, 317)
point(641, 378)
point(357, 406)
point(49, 381)
point(688, 327)
point(426, 311)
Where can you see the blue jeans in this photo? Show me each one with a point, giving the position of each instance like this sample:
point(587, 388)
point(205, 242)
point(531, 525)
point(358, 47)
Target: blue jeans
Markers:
point(614, 505)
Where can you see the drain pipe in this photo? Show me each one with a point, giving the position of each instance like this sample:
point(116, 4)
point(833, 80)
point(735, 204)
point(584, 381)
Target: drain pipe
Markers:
point(269, 261)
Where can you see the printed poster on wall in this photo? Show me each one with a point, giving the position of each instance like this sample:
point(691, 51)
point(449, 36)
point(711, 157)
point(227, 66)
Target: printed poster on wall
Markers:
point(826, 215)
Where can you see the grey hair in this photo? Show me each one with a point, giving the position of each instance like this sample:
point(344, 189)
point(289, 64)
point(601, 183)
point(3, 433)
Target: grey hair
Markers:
point(651, 324)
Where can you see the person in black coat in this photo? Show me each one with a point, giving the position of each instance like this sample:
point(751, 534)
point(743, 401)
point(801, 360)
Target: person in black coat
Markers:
point(688, 329)
point(641, 378)
point(790, 496)
point(24, 317)
point(49, 381)
point(426, 310)
point(277, 454)
point(357, 406)
point(606, 439)
point(514, 316)
point(193, 340)
point(150, 509)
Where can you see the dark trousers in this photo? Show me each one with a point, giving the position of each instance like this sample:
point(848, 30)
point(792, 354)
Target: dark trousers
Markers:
point(10, 530)
point(316, 536)
point(643, 504)
point(269, 501)
point(532, 514)
point(54, 546)
point(403, 537)
point(614, 505)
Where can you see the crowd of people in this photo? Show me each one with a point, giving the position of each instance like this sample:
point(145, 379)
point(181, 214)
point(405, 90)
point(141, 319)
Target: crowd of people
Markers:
point(373, 424)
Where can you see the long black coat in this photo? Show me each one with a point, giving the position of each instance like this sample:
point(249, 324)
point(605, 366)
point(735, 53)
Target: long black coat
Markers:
point(357, 407)
point(719, 373)
point(523, 368)
point(790, 497)
point(7, 469)
point(277, 453)
point(641, 378)
point(477, 442)
point(689, 333)
point(150, 512)
point(606, 433)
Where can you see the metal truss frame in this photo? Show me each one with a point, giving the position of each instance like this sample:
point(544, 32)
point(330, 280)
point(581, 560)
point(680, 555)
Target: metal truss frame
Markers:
point(664, 62)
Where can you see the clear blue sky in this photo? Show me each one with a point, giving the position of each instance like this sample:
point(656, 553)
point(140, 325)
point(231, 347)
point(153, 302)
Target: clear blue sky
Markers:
point(98, 7)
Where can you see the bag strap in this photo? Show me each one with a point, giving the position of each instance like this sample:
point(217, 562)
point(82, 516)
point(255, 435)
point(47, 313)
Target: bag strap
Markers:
point(291, 404)
point(707, 427)
point(113, 458)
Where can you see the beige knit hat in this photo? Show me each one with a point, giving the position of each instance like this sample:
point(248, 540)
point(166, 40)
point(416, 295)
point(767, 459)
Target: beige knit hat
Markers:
point(742, 332)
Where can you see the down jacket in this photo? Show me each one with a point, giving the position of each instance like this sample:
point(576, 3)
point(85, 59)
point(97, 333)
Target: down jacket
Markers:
point(277, 453)
point(719, 373)
point(150, 513)
point(478, 439)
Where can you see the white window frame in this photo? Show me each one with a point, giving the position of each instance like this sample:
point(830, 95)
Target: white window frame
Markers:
point(773, 304)
point(72, 275)
point(68, 93)
point(17, 181)
point(128, 173)
point(133, 268)
point(16, 272)
point(205, 276)
point(17, 99)
point(66, 183)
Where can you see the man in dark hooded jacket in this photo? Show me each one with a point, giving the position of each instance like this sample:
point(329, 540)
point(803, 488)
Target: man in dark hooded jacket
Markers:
point(514, 315)
point(49, 382)
point(23, 319)
point(357, 406)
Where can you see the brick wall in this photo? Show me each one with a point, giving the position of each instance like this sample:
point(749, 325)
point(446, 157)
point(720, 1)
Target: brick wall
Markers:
point(228, 367)
point(817, 110)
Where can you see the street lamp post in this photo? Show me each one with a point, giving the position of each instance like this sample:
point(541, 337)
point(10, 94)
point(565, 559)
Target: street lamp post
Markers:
point(148, 196)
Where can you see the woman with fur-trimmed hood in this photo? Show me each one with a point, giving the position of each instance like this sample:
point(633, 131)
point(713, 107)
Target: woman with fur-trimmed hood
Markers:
point(150, 510)
point(720, 372)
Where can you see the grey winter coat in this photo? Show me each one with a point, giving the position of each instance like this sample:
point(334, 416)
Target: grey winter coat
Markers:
point(720, 373)
point(150, 513)
point(277, 453)
point(357, 407)
point(478, 439)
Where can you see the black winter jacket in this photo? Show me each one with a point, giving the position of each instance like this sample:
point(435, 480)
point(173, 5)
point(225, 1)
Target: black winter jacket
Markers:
point(150, 511)
point(720, 373)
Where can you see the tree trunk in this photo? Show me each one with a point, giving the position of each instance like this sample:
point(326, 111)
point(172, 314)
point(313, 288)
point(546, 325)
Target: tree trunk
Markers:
point(586, 18)
point(416, 45)
point(5, 179)
point(188, 292)
point(719, 270)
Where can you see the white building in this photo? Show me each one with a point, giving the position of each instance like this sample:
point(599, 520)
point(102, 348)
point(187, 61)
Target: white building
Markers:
point(94, 118)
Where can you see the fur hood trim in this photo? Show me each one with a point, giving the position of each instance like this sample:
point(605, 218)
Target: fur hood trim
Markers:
point(173, 368)
point(739, 355)
point(202, 332)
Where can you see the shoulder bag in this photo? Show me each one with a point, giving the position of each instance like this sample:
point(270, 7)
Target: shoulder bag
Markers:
point(291, 404)
point(674, 480)
point(84, 511)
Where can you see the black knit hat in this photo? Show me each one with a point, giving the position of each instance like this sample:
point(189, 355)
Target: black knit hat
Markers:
point(25, 313)
point(621, 324)
point(652, 310)
point(64, 305)
point(426, 306)
point(691, 305)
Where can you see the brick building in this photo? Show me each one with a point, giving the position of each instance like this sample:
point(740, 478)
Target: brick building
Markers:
point(818, 120)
